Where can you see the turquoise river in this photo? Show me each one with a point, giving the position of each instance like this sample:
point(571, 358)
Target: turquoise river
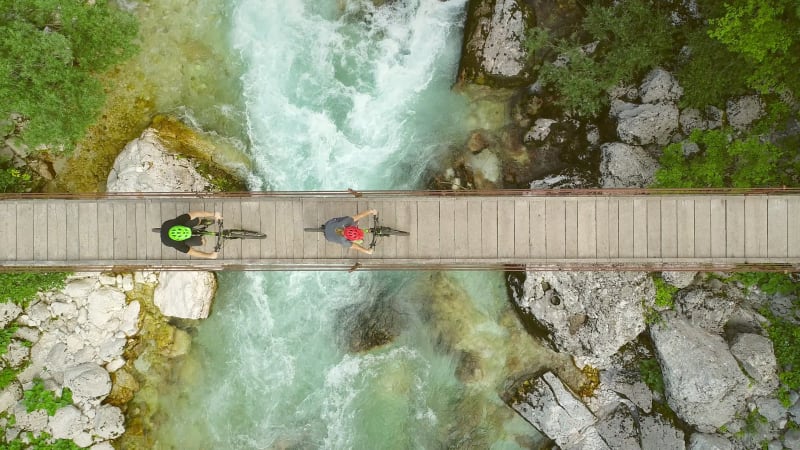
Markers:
point(346, 94)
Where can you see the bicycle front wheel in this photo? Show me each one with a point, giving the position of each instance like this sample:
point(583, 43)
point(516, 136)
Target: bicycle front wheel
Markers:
point(242, 234)
point(386, 231)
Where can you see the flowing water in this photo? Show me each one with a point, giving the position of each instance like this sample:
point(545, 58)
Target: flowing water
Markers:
point(346, 94)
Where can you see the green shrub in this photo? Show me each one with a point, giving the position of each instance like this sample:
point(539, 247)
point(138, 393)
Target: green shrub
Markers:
point(650, 371)
point(14, 180)
point(6, 334)
point(7, 375)
point(39, 397)
point(21, 288)
point(40, 442)
point(50, 53)
point(723, 162)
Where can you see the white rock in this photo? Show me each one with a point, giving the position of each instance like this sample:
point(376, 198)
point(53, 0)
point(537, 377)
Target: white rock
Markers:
point(105, 304)
point(17, 353)
point(742, 112)
point(115, 365)
point(66, 423)
point(105, 445)
point(87, 380)
point(757, 357)
point(648, 124)
point(127, 282)
point(679, 279)
point(186, 295)
point(624, 165)
point(111, 349)
point(63, 309)
point(540, 130)
point(130, 318)
point(80, 287)
point(660, 86)
point(83, 439)
point(35, 421)
point(107, 279)
point(109, 422)
point(145, 166)
point(702, 380)
point(8, 312)
point(10, 396)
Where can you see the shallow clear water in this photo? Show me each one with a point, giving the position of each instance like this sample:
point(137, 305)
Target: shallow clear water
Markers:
point(343, 94)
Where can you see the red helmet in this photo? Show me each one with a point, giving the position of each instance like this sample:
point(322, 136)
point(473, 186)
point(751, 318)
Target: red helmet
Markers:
point(353, 233)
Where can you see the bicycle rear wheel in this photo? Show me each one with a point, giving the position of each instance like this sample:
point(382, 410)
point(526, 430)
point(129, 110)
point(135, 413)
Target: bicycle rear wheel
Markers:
point(386, 231)
point(314, 230)
point(242, 234)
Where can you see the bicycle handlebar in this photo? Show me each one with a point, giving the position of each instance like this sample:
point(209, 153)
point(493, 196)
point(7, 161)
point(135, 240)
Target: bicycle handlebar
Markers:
point(218, 245)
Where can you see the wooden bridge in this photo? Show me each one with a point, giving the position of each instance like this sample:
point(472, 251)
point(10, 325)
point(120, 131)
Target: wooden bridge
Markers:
point(510, 230)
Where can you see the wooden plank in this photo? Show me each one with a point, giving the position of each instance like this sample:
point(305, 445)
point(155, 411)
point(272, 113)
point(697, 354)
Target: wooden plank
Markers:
point(587, 228)
point(266, 212)
point(793, 219)
point(669, 228)
point(489, 229)
point(56, 230)
point(640, 227)
point(461, 220)
point(653, 227)
point(406, 211)
point(755, 226)
point(717, 231)
point(428, 228)
point(132, 231)
point(522, 230)
point(613, 228)
point(473, 236)
point(778, 226)
point(625, 227)
point(447, 228)
point(702, 227)
point(8, 229)
point(168, 211)
point(685, 227)
point(310, 240)
point(25, 231)
point(105, 230)
point(602, 230)
point(734, 226)
point(506, 231)
point(251, 220)
point(152, 212)
point(143, 232)
point(283, 222)
point(120, 230)
point(232, 213)
point(40, 230)
point(555, 216)
point(537, 213)
point(571, 227)
point(73, 230)
point(87, 227)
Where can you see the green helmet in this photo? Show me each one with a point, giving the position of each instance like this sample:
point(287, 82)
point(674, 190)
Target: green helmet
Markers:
point(179, 233)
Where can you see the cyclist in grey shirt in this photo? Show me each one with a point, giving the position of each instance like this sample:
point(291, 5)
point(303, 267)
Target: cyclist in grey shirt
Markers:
point(345, 231)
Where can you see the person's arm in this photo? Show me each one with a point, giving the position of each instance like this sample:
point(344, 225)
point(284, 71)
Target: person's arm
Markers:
point(200, 254)
point(359, 248)
point(366, 213)
point(201, 214)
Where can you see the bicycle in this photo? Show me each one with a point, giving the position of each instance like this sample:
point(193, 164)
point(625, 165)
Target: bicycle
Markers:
point(377, 230)
point(221, 234)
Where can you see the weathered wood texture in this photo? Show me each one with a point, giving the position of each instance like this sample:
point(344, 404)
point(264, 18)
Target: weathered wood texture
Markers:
point(649, 232)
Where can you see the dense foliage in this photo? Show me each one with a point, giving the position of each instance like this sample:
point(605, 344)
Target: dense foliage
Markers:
point(21, 288)
point(39, 397)
point(632, 37)
point(50, 53)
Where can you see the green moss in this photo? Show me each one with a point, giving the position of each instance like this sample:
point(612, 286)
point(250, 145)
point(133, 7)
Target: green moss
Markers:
point(39, 397)
point(665, 293)
point(650, 371)
point(21, 288)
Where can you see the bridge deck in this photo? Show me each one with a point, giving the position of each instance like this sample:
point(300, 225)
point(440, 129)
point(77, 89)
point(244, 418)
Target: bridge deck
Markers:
point(573, 231)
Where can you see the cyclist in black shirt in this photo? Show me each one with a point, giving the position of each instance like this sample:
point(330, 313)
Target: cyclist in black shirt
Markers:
point(177, 233)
